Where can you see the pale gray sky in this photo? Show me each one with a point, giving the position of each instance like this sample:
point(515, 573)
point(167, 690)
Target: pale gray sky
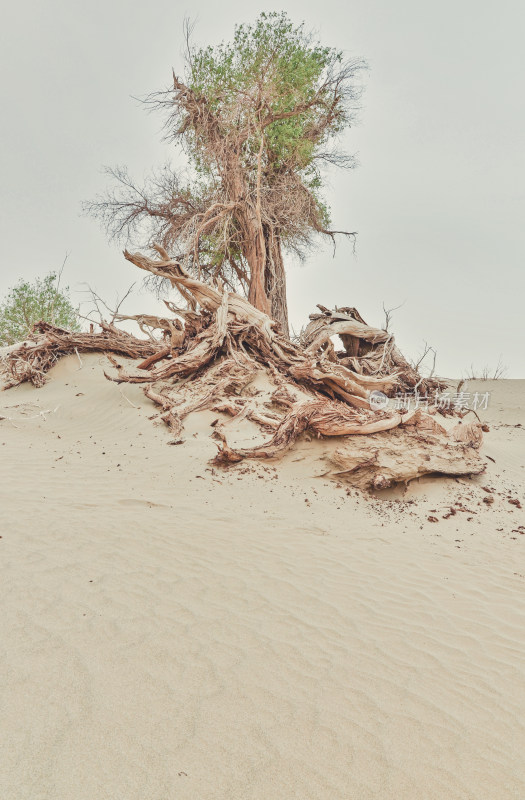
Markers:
point(438, 199)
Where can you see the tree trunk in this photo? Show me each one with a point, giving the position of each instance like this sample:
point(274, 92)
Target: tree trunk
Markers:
point(256, 258)
point(275, 280)
point(268, 277)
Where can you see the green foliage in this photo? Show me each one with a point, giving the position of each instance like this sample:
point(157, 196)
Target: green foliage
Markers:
point(271, 68)
point(31, 302)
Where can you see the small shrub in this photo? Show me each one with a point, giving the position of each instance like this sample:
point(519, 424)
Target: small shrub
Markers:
point(30, 302)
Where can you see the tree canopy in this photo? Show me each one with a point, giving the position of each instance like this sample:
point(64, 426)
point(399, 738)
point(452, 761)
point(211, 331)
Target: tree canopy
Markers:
point(258, 118)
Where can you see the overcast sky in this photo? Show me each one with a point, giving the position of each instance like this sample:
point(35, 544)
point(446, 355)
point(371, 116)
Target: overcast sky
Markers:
point(438, 198)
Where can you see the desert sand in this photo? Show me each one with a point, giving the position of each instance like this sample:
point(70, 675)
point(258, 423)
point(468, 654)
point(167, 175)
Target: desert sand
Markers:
point(172, 630)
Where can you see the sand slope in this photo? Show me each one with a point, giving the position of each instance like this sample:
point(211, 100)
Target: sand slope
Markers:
point(169, 631)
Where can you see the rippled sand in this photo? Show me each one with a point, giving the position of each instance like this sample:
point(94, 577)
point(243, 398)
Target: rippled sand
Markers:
point(172, 632)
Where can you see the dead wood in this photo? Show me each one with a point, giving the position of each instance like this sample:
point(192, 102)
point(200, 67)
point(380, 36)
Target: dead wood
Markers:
point(252, 327)
point(47, 344)
point(212, 391)
point(206, 356)
point(323, 417)
point(367, 350)
point(417, 447)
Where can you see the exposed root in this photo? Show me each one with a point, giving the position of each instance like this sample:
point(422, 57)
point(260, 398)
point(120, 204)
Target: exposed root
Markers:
point(325, 418)
point(410, 451)
point(368, 351)
point(206, 356)
point(32, 359)
point(210, 391)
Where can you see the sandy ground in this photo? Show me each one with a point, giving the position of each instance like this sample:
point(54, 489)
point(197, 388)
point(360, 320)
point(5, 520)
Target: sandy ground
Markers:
point(172, 631)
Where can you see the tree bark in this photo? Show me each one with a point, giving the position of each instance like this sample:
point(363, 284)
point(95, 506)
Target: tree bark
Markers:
point(268, 277)
point(275, 278)
point(256, 258)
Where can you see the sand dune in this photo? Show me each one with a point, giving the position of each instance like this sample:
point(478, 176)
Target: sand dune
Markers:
point(173, 631)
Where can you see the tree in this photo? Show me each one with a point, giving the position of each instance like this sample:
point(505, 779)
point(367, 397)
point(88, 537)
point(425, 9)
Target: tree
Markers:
point(258, 118)
point(40, 301)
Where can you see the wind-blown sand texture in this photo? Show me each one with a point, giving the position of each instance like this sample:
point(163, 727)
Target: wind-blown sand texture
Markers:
point(169, 630)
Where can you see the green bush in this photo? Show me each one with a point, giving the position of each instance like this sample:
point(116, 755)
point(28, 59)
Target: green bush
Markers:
point(30, 302)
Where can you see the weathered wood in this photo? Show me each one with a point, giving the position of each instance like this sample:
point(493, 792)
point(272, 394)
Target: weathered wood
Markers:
point(323, 417)
point(408, 452)
point(32, 359)
point(208, 355)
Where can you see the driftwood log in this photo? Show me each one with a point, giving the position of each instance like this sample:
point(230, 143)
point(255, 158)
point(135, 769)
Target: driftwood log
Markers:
point(207, 355)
